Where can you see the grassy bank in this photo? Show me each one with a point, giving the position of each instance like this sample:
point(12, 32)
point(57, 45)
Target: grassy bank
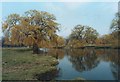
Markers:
point(21, 64)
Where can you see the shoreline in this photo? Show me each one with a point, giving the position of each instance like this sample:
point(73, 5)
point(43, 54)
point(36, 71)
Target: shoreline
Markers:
point(20, 64)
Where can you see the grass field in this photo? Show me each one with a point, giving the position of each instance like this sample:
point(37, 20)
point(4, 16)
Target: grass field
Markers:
point(21, 64)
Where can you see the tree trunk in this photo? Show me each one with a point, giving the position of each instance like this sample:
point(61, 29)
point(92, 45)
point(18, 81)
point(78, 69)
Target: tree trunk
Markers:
point(35, 49)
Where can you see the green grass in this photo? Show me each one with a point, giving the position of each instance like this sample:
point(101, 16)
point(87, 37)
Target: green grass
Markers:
point(21, 64)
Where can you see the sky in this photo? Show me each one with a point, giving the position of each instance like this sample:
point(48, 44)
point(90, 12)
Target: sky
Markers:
point(59, 0)
point(69, 14)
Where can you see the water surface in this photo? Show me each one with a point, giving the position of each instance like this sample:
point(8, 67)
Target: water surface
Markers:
point(90, 64)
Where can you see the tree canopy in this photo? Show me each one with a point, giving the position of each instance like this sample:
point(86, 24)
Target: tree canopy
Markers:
point(115, 25)
point(38, 29)
point(82, 35)
point(34, 28)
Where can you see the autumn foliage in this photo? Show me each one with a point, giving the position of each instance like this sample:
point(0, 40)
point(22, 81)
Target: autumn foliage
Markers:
point(34, 28)
point(37, 29)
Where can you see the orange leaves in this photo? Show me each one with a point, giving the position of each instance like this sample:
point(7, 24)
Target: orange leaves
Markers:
point(60, 41)
point(76, 43)
point(7, 40)
point(24, 24)
point(4, 26)
point(34, 27)
point(28, 41)
point(43, 43)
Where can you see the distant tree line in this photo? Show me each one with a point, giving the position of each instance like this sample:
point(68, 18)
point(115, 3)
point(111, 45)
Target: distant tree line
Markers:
point(37, 29)
point(85, 35)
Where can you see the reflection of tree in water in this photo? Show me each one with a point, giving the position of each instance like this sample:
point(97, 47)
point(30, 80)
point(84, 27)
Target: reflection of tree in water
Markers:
point(83, 60)
point(114, 69)
point(111, 55)
point(57, 53)
point(87, 59)
point(107, 55)
point(115, 64)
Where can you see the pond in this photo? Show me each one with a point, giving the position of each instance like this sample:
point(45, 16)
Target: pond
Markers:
point(89, 64)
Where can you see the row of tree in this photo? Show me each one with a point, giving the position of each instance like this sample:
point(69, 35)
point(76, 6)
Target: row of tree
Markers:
point(85, 35)
point(38, 29)
point(113, 38)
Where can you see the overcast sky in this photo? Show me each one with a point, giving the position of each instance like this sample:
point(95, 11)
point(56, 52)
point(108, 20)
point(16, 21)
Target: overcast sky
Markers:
point(95, 14)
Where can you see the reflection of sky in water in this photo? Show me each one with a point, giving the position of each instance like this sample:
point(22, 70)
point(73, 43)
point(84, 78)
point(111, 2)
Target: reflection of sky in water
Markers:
point(101, 71)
